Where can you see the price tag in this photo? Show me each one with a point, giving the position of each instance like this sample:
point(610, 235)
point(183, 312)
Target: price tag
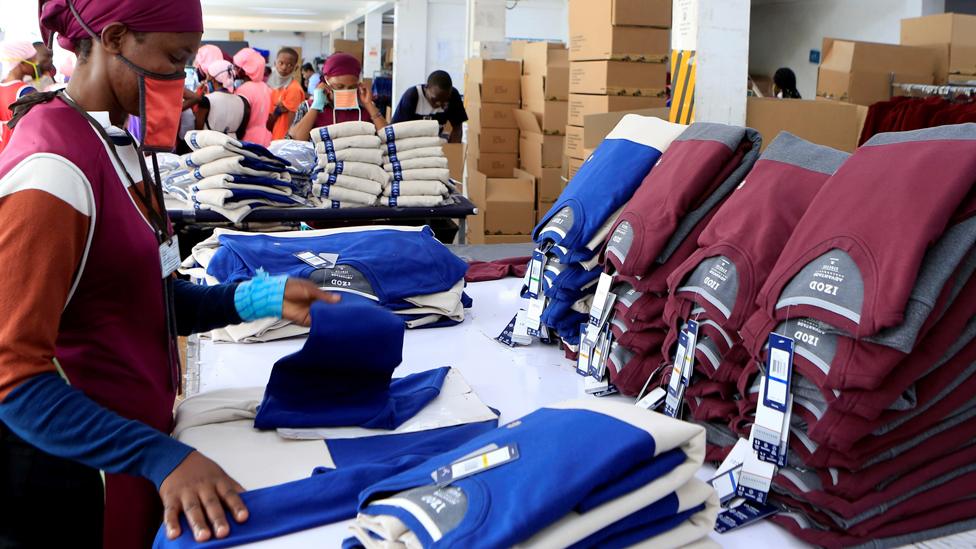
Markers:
point(743, 514)
point(689, 364)
point(653, 399)
point(312, 260)
point(473, 465)
point(756, 477)
point(601, 353)
point(534, 315)
point(726, 479)
point(585, 350)
point(775, 402)
point(778, 372)
point(169, 256)
point(536, 266)
point(506, 335)
point(676, 387)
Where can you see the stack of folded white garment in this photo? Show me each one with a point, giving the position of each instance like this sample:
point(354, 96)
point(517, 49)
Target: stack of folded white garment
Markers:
point(231, 177)
point(349, 172)
point(416, 165)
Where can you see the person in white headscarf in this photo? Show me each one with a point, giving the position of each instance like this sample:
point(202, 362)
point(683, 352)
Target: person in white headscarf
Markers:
point(221, 110)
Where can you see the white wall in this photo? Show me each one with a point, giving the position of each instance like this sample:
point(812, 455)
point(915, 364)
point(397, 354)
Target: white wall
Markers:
point(310, 42)
point(782, 33)
point(538, 20)
point(445, 38)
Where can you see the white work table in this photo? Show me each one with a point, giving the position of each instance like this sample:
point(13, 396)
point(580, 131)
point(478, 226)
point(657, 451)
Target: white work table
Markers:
point(514, 381)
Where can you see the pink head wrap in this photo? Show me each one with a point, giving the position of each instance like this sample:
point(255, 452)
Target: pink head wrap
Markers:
point(223, 72)
point(13, 52)
point(252, 63)
point(341, 64)
point(137, 15)
point(207, 54)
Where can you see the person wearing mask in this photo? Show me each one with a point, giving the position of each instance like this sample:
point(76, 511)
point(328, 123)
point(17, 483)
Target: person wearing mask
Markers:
point(89, 310)
point(437, 100)
point(341, 97)
point(19, 68)
point(221, 110)
point(286, 93)
point(784, 84)
point(258, 95)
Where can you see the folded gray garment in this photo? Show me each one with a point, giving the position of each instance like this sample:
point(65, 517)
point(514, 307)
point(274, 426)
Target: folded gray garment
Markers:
point(416, 188)
point(343, 129)
point(416, 163)
point(342, 194)
point(329, 203)
point(358, 169)
point(409, 144)
point(413, 128)
point(367, 156)
point(412, 201)
point(424, 174)
point(411, 154)
point(354, 142)
point(367, 186)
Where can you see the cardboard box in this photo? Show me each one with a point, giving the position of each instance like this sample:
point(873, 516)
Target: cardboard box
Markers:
point(536, 149)
point(509, 201)
point(537, 89)
point(494, 140)
point(491, 115)
point(480, 70)
point(494, 90)
point(542, 209)
point(619, 29)
point(552, 116)
point(618, 78)
point(582, 105)
point(549, 185)
point(352, 47)
point(597, 126)
point(516, 50)
point(573, 166)
point(538, 58)
point(951, 36)
point(506, 239)
point(861, 72)
point(829, 123)
point(455, 159)
point(574, 142)
point(631, 13)
point(491, 164)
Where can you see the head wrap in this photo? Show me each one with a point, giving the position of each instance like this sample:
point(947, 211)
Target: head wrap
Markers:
point(207, 54)
point(13, 52)
point(137, 15)
point(223, 72)
point(252, 63)
point(341, 64)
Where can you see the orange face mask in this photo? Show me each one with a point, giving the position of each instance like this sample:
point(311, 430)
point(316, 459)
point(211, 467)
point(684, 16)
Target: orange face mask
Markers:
point(345, 100)
point(160, 105)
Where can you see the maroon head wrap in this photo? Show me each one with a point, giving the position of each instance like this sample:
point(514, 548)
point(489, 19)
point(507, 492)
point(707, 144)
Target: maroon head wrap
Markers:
point(341, 64)
point(138, 15)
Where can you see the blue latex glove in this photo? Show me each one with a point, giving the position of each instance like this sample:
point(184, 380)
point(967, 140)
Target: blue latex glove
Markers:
point(319, 99)
point(260, 297)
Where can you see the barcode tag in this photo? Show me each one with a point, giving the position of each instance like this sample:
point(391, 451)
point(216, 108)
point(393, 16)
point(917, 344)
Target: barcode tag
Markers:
point(757, 476)
point(778, 372)
point(743, 514)
point(313, 260)
point(775, 402)
point(689, 363)
point(653, 399)
point(676, 389)
point(585, 350)
point(779, 456)
point(536, 308)
point(536, 267)
point(600, 299)
point(476, 464)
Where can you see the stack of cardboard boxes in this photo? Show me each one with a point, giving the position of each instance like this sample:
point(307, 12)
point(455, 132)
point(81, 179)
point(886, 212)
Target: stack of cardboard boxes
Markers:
point(504, 195)
point(618, 61)
point(952, 39)
point(543, 118)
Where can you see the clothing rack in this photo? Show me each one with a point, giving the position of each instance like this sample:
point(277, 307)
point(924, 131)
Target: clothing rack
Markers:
point(928, 90)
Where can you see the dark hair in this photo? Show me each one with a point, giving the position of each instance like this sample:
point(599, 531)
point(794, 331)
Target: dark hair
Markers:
point(785, 80)
point(39, 44)
point(83, 46)
point(440, 79)
point(289, 51)
point(308, 67)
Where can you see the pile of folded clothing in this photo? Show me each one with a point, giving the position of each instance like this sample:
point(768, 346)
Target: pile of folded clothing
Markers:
point(658, 230)
point(574, 230)
point(418, 171)
point(373, 425)
point(349, 173)
point(405, 269)
point(302, 159)
point(875, 286)
point(638, 489)
point(717, 285)
point(231, 177)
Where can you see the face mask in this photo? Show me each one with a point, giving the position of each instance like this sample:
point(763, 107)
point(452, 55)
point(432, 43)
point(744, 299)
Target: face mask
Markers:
point(345, 100)
point(160, 106)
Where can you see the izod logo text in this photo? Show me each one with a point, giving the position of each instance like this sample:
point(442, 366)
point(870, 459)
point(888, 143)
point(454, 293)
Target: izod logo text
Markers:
point(830, 289)
point(711, 283)
point(806, 338)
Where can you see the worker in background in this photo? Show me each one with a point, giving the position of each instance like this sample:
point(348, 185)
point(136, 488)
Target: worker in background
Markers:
point(19, 69)
point(341, 97)
point(286, 93)
point(258, 95)
point(436, 100)
point(313, 80)
point(89, 311)
point(784, 84)
point(45, 67)
point(220, 110)
point(308, 71)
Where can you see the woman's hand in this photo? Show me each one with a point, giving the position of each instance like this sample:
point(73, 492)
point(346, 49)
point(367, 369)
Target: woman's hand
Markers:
point(365, 95)
point(300, 294)
point(200, 489)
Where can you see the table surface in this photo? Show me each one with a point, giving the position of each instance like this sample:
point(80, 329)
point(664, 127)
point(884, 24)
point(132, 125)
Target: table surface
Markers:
point(514, 381)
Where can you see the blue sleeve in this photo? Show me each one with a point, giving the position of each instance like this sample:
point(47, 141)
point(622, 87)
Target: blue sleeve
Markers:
point(203, 308)
point(456, 114)
point(54, 417)
point(407, 108)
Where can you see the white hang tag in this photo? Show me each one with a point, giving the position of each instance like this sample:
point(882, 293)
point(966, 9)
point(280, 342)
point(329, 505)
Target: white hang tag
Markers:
point(600, 298)
point(602, 313)
point(476, 464)
point(585, 350)
point(653, 399)
point(726, 479)
point(676, 388)
point(598, 367)
point(534, 314)
point(520, 334)
point(774, 398)
point(756, 477)
point(689, 366)
point(169, 256)
point(313, 260)
point(779, 457)
point(536, 268)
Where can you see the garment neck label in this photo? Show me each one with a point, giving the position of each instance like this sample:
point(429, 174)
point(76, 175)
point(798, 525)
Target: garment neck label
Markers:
point(473, 465)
